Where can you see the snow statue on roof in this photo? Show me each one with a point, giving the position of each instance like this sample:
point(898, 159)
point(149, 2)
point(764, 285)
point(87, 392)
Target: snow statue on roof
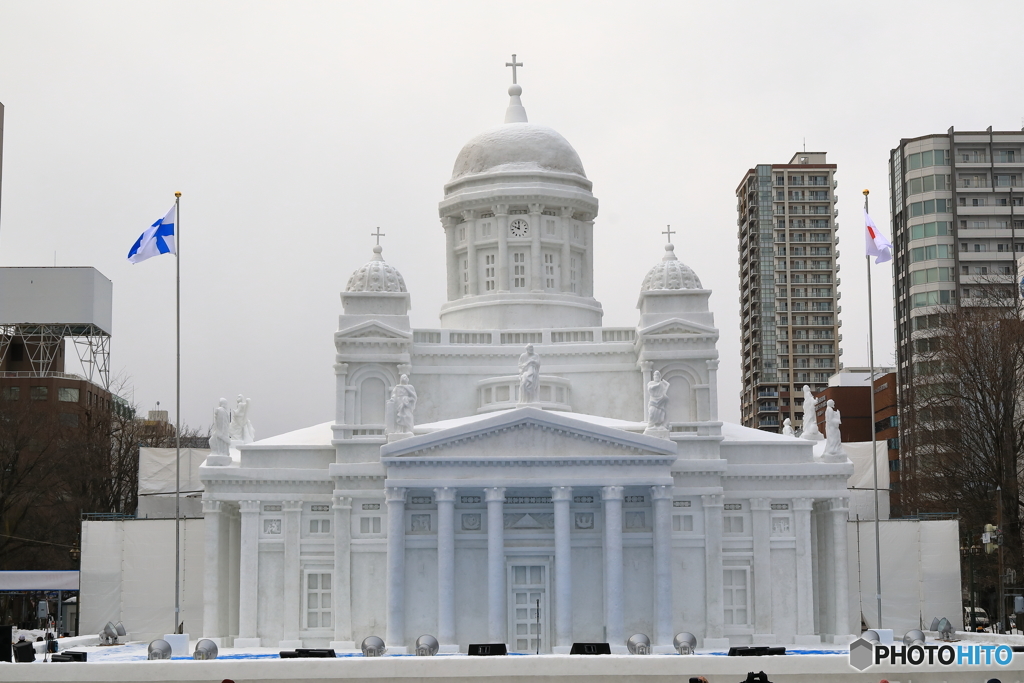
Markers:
point(833, 439)
point(241, 428)
point(657, 406)
point(403, 403)
point(529, 376)
point(810, 432)
point(787, 428)
point(220, 439)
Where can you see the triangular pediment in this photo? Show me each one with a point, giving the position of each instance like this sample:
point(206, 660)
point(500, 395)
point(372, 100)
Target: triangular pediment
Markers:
point(529, 434)
point(371, 329)
point(677, 327)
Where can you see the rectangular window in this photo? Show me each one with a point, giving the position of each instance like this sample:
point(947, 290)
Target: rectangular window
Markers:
point(489, 272)
point(735, 595)
point(39, 393)
point(572, 274)
point(465, 276)
point(11, 393)
point(519, 270)
point(549, 271)
point(67, 394)
point(485, 229)
point(549, 227)
point(319, 526)
point(732, 524)
point(318, 600)
point(369, 525)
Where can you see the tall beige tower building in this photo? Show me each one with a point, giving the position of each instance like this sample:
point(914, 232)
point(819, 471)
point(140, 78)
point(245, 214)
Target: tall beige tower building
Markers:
point(789, 312)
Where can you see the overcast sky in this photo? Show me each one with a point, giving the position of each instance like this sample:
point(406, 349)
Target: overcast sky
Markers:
point(294, 129)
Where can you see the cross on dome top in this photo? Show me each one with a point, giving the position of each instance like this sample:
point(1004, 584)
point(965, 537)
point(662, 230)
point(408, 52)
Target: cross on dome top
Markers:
point(668, 232)
point(378, 235)
point(513, 64)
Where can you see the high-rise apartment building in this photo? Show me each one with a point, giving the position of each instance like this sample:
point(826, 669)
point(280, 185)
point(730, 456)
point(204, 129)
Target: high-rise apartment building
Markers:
point(789, 324)
point(957, 224)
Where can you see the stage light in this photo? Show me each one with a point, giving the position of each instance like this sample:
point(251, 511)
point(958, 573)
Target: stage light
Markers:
point(935, 624)
point(427, 646)
point(205, 649)
point(872, 637)
point(913, 637)
point(373, 647)
point(159, 649)
point(639, 644)
point(685, 643)
point(108, 636)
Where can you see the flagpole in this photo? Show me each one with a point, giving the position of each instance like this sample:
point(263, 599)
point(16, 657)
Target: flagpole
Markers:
point(177, 411)
point(874, 432)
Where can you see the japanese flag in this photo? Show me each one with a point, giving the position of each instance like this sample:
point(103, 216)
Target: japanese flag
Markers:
point(876, 244)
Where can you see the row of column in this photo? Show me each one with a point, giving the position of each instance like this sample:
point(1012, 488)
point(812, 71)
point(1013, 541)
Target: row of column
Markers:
point(537, 275)
point(497, 588)
point(232, 549)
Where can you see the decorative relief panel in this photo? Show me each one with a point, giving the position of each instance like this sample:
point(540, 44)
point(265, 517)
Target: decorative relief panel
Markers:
point(583, 499)
point(535, 520)
point(319, 508)
point(780, 506)
point(271, 508)
point(584, 520)
point(421, 500)
point(371, 506)
point(780, 526)
point(635, 520)
point(471, 522)
point(680, 503)
point(272, 527)
point(420, 524)
point(469, 500)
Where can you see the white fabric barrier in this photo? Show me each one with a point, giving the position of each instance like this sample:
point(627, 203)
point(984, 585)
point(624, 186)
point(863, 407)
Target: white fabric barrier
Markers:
point(862, 482)
point(156, 470)
point(920, 573)
point(128, 576)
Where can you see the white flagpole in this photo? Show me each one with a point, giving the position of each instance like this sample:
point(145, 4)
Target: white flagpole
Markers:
point(177, 428)
point(874, 433)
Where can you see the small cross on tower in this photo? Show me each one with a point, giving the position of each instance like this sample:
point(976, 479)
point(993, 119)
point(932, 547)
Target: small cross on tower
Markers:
point(513, 64)
point(668, 232)
point(378, 235)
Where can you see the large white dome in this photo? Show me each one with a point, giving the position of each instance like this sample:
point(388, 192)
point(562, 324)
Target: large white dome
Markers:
point(518, 146)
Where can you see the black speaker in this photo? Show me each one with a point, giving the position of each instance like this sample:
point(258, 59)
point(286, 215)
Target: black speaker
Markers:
point(756, 650)
point(301, 652)
point(77, 656)
point(590, 649)
point(487, 649)
point(6, 633)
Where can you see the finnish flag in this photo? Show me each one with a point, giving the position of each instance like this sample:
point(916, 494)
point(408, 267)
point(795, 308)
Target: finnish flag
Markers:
point(158, 239)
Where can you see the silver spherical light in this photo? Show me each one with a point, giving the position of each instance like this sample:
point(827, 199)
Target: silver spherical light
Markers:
point(373, 647)
point(427, 646)
point(205, 649)
point(159, 649)
point(639, 644)
point(685, 643)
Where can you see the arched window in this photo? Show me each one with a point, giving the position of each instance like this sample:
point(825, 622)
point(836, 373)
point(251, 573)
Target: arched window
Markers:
point(372, 396)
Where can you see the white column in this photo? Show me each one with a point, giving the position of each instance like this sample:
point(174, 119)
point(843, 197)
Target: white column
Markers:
point(449, 223)
point(395, 631)
point(469, 223)
point(713, 388)
point(614, 612)
point(536, 262)
point(234, 533)
point(804, 588)
point(762, 530)
point(714, 616)
point(661, 497)
point(840, 512)
point(214, 590)
point(340, 382)
point(248, 573)
point(445, 498)
point(496, 598)
point(566, 216)
point(561, 496)
point(342, 576)
point(587, 277)
point(501, 225)
point(293, 589)
point(823, 569)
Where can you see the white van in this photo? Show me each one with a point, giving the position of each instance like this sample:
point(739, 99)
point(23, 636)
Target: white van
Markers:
point(980, 618)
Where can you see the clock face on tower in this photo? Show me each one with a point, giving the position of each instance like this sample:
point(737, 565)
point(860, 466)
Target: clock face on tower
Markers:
point(519, 227)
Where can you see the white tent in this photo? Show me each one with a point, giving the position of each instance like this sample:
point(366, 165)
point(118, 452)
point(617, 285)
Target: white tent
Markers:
point(862, 482)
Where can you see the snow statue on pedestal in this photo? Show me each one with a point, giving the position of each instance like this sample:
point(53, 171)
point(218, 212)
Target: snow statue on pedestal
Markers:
point(657, 407)
point(400, 409)
point(241, 428)
point(529, 376)
point(787, 428)
point(833, 439)
point(810, 432)
point(220, 439)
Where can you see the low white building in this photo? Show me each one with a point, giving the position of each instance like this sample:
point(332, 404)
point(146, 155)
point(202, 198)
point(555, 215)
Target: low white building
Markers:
point(496, 503)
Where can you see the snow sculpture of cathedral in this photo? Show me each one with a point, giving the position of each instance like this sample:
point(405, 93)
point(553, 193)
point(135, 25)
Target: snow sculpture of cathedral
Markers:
point(492, 506)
